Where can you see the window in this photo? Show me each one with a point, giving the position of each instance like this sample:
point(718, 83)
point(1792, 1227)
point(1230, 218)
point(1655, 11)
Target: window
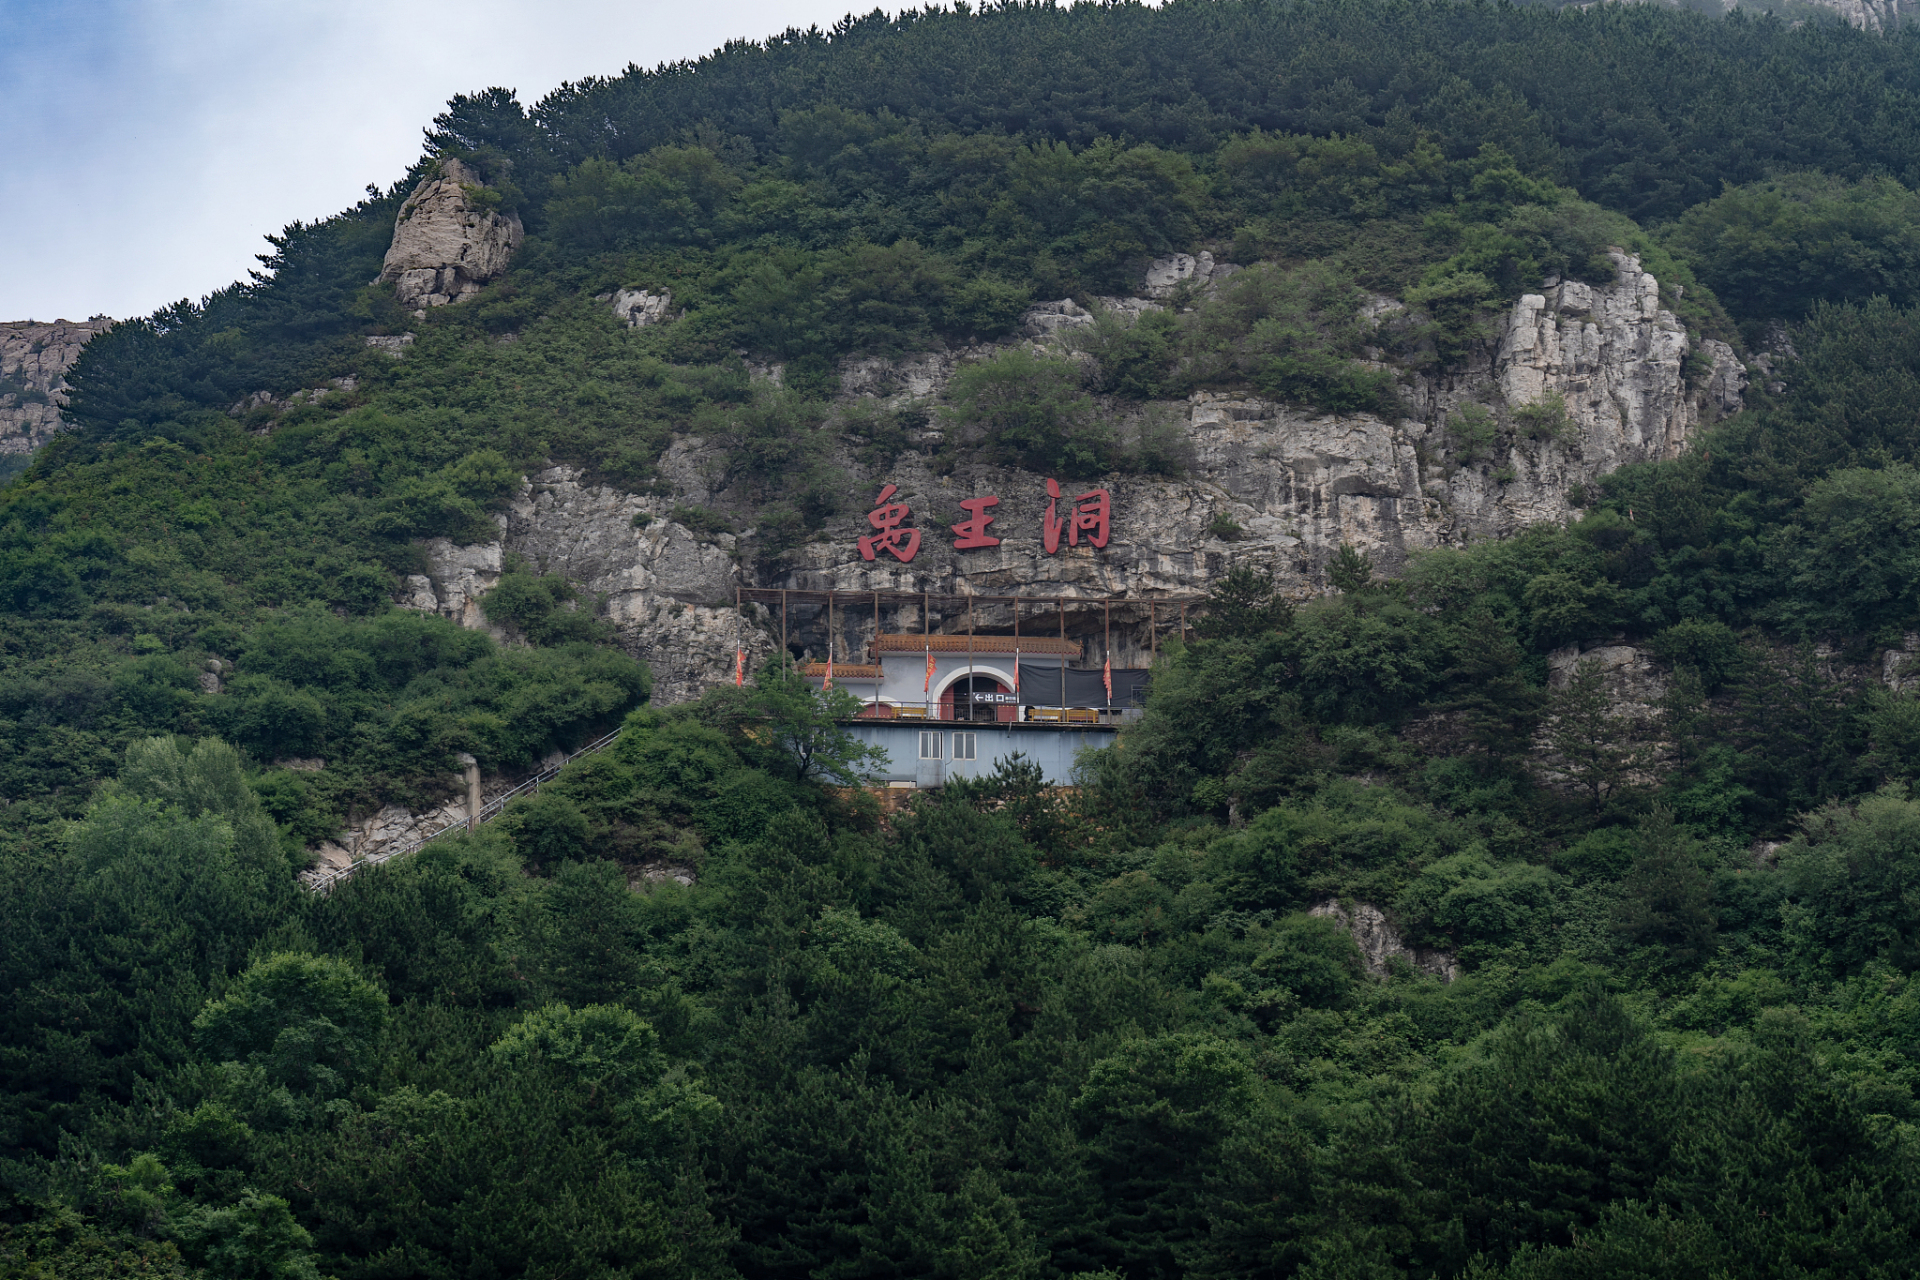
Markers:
point(929, 745)
point(964, 747)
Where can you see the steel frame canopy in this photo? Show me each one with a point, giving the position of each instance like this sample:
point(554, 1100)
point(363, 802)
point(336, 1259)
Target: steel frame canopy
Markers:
point(788, 596)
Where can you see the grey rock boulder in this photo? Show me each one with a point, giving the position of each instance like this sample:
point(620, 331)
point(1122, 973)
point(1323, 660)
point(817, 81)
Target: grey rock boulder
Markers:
point(443, 247)
point(1164, 275)
point(640, 307)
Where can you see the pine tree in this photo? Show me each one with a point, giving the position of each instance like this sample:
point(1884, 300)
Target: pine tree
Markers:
point(1667, 900)
point(1593, 745)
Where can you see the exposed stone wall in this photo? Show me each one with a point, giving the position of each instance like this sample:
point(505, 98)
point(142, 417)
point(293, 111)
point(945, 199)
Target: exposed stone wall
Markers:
point(34, 359)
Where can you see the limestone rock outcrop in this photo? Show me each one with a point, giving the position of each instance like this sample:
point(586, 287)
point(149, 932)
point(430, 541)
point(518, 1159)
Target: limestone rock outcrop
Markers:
point(444, 248)
point(460, 573)
point(1884, 16)
point(1275, 486)
point(639, 307)
point(668, 592)
point(1614, 355)
point(1284, 487)
point(1634, 681)
point(1900, 668)
point(1634, 684)
point(394, 825)
point(1164, 275)
point(394, 345)
point(1380, 943)
point(34, 359)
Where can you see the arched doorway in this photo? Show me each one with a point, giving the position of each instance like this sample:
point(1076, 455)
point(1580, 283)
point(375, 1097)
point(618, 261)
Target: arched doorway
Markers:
point(994, 704)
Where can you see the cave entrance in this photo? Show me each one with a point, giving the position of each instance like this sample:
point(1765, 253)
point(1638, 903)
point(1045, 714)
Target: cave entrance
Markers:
point(994, 695)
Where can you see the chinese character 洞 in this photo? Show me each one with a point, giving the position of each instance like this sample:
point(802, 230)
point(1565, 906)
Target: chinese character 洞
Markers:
point(885, 518)
point(973, 530)
point(1092, 513)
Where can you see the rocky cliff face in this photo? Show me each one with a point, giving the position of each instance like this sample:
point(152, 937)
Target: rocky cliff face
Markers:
point(34, 359)
point(1267, 484)
point(1883, 16)
point(1869, 15)
point(444, 247)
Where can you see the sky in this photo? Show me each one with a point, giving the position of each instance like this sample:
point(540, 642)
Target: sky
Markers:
point(148, 146)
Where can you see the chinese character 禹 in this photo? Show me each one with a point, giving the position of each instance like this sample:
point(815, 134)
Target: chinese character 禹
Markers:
point(973, 530)
point(1092, 514)
point(889, 536)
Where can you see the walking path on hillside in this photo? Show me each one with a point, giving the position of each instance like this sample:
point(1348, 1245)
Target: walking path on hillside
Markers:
point(492, 809)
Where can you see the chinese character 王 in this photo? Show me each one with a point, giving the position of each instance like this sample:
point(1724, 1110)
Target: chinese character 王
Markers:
point(973, 530)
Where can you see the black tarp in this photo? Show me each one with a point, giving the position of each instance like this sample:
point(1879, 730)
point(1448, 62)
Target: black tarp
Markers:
point(1041, 687)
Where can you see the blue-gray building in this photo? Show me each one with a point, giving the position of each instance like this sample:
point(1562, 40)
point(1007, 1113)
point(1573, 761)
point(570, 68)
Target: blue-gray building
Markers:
point(945, 706)
point(927, 754)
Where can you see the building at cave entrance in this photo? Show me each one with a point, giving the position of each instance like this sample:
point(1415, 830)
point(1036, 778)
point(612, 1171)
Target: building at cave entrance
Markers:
point(943, 706)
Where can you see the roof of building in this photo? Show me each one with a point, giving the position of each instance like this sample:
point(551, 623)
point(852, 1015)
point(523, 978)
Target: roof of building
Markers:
point(843, 670)
point(1036, 645)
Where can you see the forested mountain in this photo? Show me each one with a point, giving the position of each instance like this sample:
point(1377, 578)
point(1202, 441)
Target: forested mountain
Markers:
point(1515, 871)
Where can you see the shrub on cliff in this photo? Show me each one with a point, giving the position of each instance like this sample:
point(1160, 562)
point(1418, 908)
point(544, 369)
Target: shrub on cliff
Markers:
point(1029, 411)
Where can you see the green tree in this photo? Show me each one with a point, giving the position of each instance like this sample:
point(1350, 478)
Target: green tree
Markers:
point(547, 829)
point(1564, 1116)
point(802, 725)
point(1244, 604)
point(1667, 897)
point(1853, 875)
point(255, 1239)
point(308, 1023)
point(1774, 248)
point(1595, 746)
point(1852, 550)
point(1488, 689)
point(1312, 957)
point(1153, 1116)
point(1351, 570)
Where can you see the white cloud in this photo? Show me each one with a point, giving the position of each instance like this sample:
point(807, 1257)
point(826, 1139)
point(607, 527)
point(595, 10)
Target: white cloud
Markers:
point(153, 143)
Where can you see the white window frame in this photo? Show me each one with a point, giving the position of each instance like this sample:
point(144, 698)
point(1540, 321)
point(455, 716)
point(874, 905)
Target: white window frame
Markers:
point(930, 738)
point(966, 746)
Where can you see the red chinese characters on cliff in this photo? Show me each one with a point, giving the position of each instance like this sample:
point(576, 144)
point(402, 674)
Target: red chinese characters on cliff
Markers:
point(889, 536)
point(1091, 514)
point(973, 530)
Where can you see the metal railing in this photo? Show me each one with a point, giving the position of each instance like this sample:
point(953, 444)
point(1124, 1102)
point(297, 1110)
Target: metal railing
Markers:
point(488, 812)
point(1022, 714)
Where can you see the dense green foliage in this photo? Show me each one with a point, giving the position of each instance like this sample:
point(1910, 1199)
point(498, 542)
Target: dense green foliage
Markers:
point(1774, 249)
point(698, 1009)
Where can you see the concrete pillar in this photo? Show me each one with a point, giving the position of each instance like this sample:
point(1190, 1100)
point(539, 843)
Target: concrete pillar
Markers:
point(472, 777)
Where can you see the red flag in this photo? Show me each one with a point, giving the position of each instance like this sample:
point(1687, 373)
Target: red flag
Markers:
point(739, 667)
point(926, 686)
point(1016, 671)
point(1106, 674)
